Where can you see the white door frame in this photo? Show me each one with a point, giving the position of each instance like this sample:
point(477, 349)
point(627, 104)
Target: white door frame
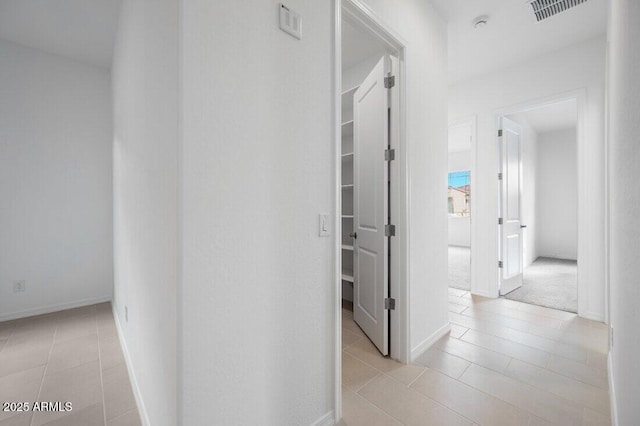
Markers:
point(583, 160)
point(472, 120)
point(362, 16)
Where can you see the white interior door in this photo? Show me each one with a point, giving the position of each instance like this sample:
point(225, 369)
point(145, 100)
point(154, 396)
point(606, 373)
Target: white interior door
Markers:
point(511, 241)
point(371, 207)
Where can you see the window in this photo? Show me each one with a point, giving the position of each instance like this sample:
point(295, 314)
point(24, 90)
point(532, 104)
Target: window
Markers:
point(459, 194)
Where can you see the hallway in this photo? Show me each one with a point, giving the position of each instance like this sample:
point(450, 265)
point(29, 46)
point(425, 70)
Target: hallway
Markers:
point(504, 363)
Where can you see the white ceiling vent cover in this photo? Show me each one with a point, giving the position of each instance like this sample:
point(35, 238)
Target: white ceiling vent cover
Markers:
point(544, 9)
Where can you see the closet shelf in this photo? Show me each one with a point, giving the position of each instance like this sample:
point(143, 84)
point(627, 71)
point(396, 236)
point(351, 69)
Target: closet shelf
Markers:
point(347, 247)
point(347, 123)
point(347, 277)
point(347, 155)
point(347, 186)
point(347, 216)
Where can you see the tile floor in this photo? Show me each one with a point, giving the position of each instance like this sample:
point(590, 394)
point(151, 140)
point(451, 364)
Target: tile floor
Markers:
point(504, 363)
point(71, 355)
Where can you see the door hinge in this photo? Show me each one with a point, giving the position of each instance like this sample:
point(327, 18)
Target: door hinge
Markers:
point(499, 221)
point(500, 133)
point(389, 154)
point(499, 263)
point(390, 304)
point(499, 176)
point(389, 230)
point(389, 82)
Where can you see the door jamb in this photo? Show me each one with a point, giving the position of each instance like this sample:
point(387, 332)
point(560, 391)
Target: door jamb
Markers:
point(584, 252)
point(361, 15)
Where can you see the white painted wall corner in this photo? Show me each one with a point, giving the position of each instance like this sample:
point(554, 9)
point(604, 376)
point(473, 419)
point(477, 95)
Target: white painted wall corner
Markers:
point(429, 341)
point(142, 411)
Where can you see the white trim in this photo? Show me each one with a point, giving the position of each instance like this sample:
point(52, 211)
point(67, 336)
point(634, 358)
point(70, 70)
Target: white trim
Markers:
point(612, 391)
point(429, 341)
point(337, 239)
point(142, 411)
point(592, 316)
point(54, 308)
point(326, 420)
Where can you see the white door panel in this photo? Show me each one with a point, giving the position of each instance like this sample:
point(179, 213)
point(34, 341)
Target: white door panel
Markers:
point(371, 138)
point(511, 242)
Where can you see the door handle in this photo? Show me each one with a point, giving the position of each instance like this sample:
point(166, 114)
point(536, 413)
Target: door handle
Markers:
point(354, 235)
point(523, 226)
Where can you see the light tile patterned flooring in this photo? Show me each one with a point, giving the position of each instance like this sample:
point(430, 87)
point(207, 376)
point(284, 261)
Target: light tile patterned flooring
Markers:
point(72, 355)
point(504, 363)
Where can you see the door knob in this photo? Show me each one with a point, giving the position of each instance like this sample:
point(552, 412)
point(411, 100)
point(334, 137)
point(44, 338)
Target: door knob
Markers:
point(523, 226)
point(354, 235)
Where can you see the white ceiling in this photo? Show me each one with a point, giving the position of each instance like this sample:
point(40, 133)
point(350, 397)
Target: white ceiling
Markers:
point(512, 34)
point(357, 46)
point(83, 30)
point(557, 116)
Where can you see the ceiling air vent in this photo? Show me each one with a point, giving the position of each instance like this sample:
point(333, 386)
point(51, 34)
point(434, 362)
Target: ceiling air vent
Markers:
point(544, 9)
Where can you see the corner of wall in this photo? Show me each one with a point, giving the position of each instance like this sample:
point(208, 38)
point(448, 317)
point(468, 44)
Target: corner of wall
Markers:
point(144, 416)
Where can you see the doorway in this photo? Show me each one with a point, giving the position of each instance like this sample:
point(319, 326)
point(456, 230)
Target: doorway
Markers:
point(460, 172)
point(371, 198)
point(539, 205)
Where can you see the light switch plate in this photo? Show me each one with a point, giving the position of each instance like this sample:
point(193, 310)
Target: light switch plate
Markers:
point(324, 225)
point(290, 22)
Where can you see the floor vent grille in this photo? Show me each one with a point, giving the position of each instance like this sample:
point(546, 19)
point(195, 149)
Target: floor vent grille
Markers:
point(544, 9)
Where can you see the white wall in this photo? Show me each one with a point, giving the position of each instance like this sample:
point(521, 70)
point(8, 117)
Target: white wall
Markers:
point(145, 155)
point(257, 171)
point(624, 192)
point(459, 227)
point(258, 167)
point(578, 67)
point(55, 182)
point(557, 195)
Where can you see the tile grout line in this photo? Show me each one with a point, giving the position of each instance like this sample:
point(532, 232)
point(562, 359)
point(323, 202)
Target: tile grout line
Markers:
point(104, 405)
point(46, 367)
point(550, 354)
point(424, 370)
point(555, 342)
point(420, 394)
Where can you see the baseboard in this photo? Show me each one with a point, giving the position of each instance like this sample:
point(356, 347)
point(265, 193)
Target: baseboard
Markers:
point(592, 316)
point(142, 411)
point(429, 341)
point(54, 308)
point(326, 420)
point(612, 391)
point(485, 294)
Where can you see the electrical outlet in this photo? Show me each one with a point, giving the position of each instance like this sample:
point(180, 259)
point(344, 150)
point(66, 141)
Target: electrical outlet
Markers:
point(126, 314)
point(19, 286)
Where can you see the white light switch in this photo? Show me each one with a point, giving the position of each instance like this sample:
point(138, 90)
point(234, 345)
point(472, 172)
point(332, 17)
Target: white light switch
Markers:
point(324, 225)
point(290, 22)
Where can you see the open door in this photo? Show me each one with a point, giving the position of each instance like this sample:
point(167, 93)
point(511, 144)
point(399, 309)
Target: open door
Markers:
point(511, 241)
point(371, 206)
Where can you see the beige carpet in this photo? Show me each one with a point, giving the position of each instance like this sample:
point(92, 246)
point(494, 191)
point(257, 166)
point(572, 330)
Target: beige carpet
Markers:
point(549, 282)
point(460, 267)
